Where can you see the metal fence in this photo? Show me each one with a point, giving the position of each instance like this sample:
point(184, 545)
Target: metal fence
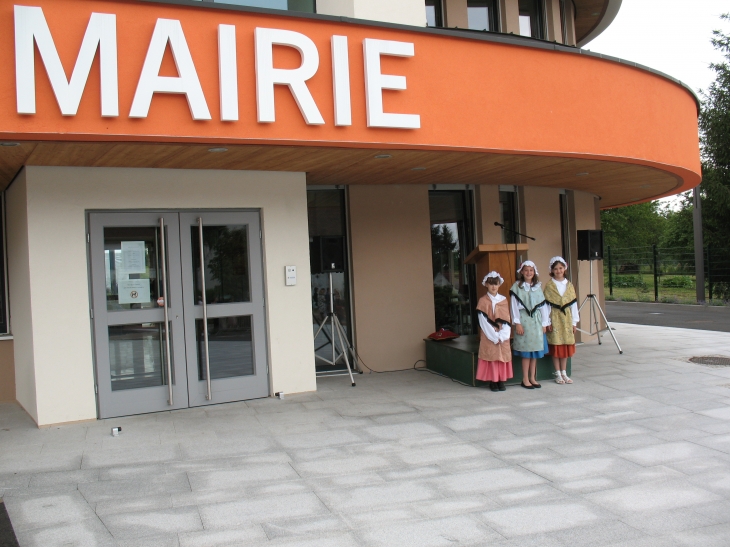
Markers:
point(665, 274)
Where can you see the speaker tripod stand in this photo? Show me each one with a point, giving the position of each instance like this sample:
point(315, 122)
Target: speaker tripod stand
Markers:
point(336, 331)
point(594, 305)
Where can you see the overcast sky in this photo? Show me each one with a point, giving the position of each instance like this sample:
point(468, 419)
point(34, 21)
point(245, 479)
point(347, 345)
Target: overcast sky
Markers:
point(672, 36)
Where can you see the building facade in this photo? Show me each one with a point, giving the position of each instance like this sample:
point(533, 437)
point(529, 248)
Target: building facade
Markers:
point(182, 180)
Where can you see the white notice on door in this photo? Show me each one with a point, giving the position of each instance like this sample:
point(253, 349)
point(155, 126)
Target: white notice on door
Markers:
point(133, 259)
point(134, 291)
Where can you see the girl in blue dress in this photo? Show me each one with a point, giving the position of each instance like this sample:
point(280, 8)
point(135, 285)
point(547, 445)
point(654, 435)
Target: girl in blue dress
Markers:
point(530, 316)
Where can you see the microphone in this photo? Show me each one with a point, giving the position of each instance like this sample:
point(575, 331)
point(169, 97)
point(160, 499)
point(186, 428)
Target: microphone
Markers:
point(498, 224)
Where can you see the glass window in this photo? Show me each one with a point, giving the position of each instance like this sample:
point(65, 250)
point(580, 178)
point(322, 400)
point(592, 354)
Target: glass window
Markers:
point(483, 15)
point(434, 13)
point(230, 347)
point(531, 18)
point(131, 256)
point(563, 27)
point(290, 5)
point(328, 255)
point(508, 215)
point(225, 249)
point(136, 356)
point(451, 242)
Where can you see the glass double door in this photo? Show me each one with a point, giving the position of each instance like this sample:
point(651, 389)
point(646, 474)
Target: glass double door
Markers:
point(178, 309)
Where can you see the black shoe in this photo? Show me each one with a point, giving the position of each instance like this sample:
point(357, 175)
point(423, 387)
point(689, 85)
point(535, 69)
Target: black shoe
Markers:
point(526, 387)
point(536, 385)
point(501, 386)
point(493, 386)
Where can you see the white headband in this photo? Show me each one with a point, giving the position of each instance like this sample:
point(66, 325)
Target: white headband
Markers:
point(527, 263)
point(555, 259)
point(492, 274)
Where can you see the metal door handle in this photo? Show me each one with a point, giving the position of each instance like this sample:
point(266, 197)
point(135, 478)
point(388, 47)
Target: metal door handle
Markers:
point(167, 314)
point(209, 394)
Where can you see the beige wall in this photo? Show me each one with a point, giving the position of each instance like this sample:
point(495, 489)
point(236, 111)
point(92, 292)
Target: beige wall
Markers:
point(50, 306)
point(391, 273)
point(21, 317)
point(7, 372)
point(542, 221)
point(487, 205)
point(405, 12)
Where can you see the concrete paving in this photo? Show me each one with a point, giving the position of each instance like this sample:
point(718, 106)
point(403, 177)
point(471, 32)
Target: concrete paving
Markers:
point(636, 453)
point(684, 316)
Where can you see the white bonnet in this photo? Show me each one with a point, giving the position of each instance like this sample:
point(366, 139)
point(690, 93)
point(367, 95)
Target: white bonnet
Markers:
point(492, 274)
point(555, 259)
point(527, 263)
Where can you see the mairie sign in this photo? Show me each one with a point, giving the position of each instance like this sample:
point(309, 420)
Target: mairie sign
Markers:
point(32, 31)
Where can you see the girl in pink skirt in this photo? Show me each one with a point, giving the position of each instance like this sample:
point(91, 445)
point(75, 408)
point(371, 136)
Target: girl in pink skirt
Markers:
point(495, 357)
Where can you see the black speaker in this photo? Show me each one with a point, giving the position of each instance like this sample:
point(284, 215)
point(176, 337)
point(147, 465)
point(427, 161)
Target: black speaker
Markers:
point(590, 244)
point(327, 254)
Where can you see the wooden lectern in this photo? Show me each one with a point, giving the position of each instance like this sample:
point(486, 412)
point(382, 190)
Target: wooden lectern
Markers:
point(500, 257)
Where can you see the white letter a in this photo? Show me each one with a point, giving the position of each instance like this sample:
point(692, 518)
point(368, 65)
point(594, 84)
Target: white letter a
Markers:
point(150, 81)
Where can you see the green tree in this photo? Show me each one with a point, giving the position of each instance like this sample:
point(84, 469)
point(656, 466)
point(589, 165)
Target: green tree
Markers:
point(633, 226)
point(715, 140)
point(678, 227)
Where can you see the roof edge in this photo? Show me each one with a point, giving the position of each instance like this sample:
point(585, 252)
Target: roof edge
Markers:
point(486, 36)
point(610, 11)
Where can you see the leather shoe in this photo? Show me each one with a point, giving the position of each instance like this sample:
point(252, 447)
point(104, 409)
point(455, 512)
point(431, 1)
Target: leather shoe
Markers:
point(493, 386)
point(526, 387)
point(501, 386)
point(536, 385)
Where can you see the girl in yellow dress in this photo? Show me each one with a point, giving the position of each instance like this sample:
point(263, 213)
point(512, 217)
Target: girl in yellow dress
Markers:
point(560, 295)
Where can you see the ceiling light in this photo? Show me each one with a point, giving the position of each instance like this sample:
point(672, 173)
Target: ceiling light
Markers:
point(645, 186)
point(596, 13)
point(418, 169)
point(9, 144)
point(217, 149)
point(383, 157)
point(581, 174)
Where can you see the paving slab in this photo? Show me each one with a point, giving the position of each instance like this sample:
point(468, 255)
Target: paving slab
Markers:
point(636, 453)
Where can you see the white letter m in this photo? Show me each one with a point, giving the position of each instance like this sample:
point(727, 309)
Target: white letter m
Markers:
point(31, 27)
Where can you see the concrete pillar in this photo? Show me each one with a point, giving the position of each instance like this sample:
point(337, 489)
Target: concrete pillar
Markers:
point(699, 245)
point(509, 12)
point(343, 8)
point(570, 23)
point(455, 13)
point(554, 31)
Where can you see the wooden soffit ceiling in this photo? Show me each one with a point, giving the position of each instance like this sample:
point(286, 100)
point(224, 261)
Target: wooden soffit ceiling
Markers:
point(588, 13)
point(614, 182)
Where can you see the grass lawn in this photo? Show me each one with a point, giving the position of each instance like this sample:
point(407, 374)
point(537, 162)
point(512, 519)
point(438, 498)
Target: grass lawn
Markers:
point(673, 289)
